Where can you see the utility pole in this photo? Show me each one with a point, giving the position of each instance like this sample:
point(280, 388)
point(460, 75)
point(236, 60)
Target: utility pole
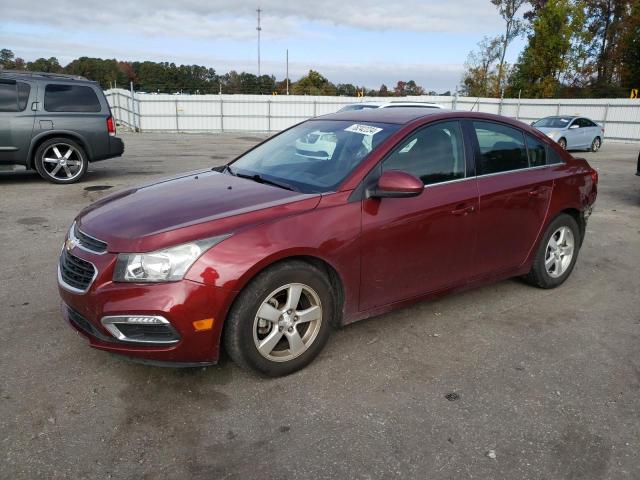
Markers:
point(259, 29)
point(287, 71)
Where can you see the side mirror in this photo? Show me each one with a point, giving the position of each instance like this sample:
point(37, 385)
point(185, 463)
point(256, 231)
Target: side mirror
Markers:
point(396, 184)
point(575, 125)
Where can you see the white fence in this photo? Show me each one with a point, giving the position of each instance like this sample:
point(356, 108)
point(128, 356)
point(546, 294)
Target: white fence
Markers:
point(265, 113)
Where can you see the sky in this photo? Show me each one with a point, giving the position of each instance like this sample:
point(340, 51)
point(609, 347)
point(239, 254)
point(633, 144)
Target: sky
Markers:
point(366, 43)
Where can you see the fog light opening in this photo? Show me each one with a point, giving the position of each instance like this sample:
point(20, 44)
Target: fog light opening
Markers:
point(141, 329)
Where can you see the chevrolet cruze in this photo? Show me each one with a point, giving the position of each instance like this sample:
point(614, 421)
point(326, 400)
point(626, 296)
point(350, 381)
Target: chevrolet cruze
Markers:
point(267, 254)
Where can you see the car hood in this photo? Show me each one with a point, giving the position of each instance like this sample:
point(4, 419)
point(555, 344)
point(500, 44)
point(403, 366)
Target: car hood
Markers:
point(193, 206)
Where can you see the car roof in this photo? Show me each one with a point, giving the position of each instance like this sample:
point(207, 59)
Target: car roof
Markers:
point(397, 115)
point(396, 103)
point(44, 76)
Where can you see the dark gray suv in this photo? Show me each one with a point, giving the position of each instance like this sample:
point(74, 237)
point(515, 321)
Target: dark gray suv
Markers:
point(55, 124)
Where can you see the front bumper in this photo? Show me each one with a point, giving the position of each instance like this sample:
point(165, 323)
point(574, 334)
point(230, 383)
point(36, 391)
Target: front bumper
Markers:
point(181, 303)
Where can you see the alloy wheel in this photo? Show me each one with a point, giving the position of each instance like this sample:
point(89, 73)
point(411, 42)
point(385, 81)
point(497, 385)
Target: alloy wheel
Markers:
point(595, 146)
point(287, 322)
point(559, 252)
point(62, 162)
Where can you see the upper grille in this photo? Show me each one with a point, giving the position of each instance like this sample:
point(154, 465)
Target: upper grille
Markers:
point(76, 272)
point(89, 242)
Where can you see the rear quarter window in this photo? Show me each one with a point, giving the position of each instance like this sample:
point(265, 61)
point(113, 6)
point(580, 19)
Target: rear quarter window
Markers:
point(70, 98)
point(14, 97)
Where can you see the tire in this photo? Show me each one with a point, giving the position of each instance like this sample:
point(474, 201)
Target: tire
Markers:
point(596, 144)
point(549, 270)
point(563, 143)
point(61, 160)
point(271, 292)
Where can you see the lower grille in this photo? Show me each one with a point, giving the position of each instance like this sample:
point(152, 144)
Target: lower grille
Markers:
point(85, 325)
point(75, 272)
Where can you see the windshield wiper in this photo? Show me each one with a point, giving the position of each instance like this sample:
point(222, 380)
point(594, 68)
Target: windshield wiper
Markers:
point(260, 179)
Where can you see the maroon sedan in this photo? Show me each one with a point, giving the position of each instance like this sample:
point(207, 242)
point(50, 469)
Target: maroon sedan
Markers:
point(267, 254)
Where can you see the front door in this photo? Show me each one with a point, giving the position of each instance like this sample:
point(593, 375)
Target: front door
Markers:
point(412, 246)
point(16, 120)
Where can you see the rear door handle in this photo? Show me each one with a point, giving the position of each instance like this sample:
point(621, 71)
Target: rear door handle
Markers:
point(463, 209)
point(536, 192)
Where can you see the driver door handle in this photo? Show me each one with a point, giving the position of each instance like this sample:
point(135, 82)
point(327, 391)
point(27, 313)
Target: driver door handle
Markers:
point(463, 209)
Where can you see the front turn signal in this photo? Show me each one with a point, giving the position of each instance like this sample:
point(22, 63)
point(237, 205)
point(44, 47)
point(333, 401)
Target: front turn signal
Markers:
point(202, 325)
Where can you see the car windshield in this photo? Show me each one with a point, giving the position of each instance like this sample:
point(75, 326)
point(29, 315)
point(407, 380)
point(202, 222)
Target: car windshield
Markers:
point(553, 122)
point(313, 157)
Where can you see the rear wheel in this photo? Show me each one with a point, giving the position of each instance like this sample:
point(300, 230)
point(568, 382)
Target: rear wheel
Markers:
point(60, 160)
point(596, 144)
point(557, 253)
point(563, 143)
point(281, 320)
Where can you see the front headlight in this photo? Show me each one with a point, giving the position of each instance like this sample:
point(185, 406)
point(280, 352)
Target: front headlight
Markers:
point(552, 134)
point(165, 265)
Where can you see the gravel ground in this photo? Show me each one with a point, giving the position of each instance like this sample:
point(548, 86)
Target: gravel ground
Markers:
point(546, 383)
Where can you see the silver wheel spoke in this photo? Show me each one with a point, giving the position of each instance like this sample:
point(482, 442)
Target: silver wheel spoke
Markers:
point(73, 163)
point(560, 240)
point(559, 269)
point(269, 343)
point(269, 312)
point(549, 262)
point(553, 244)
point(57, 152)
point(67, 171)
point(293, 297)
point(56, 170)
point(68, 154)
point(296, 345)
point(51, 160)
point(309, 315)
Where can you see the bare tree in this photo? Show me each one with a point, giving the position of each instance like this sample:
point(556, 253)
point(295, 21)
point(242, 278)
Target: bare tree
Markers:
point(513, 27)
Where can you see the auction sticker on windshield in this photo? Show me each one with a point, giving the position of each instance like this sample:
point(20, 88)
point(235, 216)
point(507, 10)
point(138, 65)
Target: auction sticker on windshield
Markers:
point(363, 129)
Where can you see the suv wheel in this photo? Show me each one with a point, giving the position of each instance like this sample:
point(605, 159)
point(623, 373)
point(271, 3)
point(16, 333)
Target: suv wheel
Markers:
point(60, 160)
point(557, 253)
point(281, 320)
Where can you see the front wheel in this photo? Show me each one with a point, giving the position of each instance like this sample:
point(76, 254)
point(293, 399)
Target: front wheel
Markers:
point(557, 253)
point(596, 144)
point(281, 321)
point(563, 143)
point(61, 160)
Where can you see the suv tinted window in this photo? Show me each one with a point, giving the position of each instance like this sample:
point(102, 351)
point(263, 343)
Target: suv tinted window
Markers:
point(70, 98)
point(434, 154)
point(537, 151)
point(14, 97)
point(502, 148)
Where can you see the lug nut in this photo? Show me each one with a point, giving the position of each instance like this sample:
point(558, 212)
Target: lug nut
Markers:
point(290, 329)
point(280, 329)
point(295, 318)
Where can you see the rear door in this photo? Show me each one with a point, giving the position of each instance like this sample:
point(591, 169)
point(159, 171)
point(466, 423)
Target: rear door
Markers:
point(78, 108)
point(16, 120)
point(514, 191)
point(412, 246)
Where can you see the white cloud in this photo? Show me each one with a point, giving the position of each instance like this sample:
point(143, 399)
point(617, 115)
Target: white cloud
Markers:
point(236, 19)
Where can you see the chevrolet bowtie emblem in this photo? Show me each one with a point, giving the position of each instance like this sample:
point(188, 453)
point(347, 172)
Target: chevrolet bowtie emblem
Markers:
point(70, 244)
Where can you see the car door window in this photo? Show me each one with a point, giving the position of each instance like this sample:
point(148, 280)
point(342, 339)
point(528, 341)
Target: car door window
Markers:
point(14, 96)
point(434, 154)
point(537, 151)
point(502, 148)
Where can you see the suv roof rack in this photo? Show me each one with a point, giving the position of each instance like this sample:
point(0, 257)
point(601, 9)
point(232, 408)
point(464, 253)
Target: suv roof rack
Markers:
point(28, 73)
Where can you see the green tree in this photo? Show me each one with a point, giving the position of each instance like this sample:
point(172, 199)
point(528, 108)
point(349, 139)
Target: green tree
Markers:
point(513, 28)
point(314, 84)
point(49, 65)
point(629, 48)
point(546, 58)
point(480, 77)
point(6, 58)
